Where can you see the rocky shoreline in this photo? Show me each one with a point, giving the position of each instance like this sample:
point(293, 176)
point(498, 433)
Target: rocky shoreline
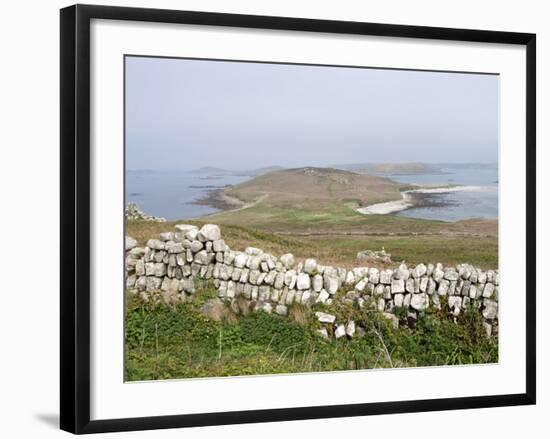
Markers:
point(218, 199)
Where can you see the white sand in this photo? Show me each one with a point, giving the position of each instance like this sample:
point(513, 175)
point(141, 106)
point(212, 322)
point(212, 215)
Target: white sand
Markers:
point(407, 202)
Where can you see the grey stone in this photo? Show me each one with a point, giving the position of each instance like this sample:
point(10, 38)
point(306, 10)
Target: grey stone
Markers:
point(155, 244)
point(317, 283)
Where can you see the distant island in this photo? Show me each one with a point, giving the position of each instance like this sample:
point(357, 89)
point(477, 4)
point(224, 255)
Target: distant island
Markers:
point(392, 168)
point(213, 171)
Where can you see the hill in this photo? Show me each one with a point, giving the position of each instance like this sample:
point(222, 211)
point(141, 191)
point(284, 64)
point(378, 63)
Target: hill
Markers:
point(309, 186)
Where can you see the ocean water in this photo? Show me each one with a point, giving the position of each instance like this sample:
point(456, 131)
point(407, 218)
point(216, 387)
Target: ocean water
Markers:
point(170, 194)
point(479, 201)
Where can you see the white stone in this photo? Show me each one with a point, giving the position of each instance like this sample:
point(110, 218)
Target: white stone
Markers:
point(209, 232)
point(323, 296)
point(331, 284)
point(322, 332)
point(310, 265)
point(303, 282)
point(324, 317)
point(350, 329)
point(490, 309)
point(402, 273)
point(361, 285)
point(350, 278)
point(397, 286)
point(420, 302)
point(488, 290)
point(419, 271)
point(340, 331)
point(287, 260)
point(282, 310)
point(317, 283)
point(129, 243)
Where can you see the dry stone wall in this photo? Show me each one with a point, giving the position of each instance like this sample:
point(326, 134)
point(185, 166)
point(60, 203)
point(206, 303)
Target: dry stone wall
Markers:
point(168, 266)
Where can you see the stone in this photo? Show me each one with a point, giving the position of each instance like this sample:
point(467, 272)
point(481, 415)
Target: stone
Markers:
point(398, 300)
point(184, 228)
point(490, 309)
point(322, 332)
point(240, 260)
point(340, 331)
point(331, 284)
point(438, 273)
point(140, 267)
point(381, 305)
point(287, 260)
point(209, 232)
point(423, 284)
point(392, 318)
point(374, 275)
point(279, 280)
point(129, 243)
point(201, 258)
point(350, 278)
point(409, 285)
point(443, 287)
point(219, 245)
point(155, 244)
point(397, 286)
point(419, 271)
point(386, 276)
point(324, 317)
point(290, 279)
point(487, 290)
point(196, 246)
point(253, 251)
point(282, 310)
point(350, 329)
point(317, 283)
point(303, 281)
point(310, 266)
point(450, 275)
point(361, 285)
point(402, 273)
point(174, 247)
point(488, 328)
point(323, 296)
point(420, 302)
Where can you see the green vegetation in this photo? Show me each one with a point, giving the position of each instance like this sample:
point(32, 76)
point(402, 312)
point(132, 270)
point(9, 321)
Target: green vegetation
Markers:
point(165, 342)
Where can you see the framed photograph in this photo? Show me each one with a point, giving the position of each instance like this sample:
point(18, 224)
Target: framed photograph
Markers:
point(274, 218)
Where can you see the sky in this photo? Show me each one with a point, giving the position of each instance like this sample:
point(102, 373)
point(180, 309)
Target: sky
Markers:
point(185, 114)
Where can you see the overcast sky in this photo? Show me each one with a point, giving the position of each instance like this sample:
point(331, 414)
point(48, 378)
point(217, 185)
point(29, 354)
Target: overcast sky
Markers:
point(186, 114)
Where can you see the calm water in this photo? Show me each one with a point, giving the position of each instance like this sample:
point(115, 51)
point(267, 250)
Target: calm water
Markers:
point(169, 193)
point(481, 202)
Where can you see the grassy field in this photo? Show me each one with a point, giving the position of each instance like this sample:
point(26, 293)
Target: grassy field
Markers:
point(411, 240)
point(181, 342)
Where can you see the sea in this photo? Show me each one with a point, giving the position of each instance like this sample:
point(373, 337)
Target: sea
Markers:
point(171, 193)
point(479, 199)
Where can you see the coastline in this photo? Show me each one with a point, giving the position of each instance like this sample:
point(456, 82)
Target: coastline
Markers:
point(414, 198)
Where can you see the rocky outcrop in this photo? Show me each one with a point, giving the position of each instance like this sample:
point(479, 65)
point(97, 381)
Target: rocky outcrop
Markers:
point(132, 212)
point(168, 266)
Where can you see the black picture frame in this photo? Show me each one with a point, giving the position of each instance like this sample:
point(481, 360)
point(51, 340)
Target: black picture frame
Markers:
point(75, 217)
